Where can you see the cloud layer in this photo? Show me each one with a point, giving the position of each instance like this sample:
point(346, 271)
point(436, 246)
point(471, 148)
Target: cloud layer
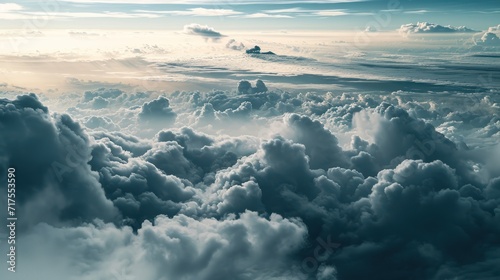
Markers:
point(255, 183)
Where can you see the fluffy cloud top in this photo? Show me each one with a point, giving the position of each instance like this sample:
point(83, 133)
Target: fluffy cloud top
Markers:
point(425, 27)
point(494, 28)
point(488, 39)
point(201, 30)
point(310, 186)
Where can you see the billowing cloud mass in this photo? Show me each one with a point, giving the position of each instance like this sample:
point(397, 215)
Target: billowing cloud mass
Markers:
point(51, 155)
point(488, 39)
point(201, 30)
point(426, 27)
point(254, 183)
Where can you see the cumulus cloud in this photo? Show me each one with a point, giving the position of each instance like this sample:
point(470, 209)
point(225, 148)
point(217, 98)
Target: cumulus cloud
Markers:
point(202, 30)
point(488, 39)
point(170, 248)
point(157, 114)
point(234, 45)
point(426, 27)
point(157, 109)
point(245, 87)
point(50, 154)
point(309, 186)
point(494, 28)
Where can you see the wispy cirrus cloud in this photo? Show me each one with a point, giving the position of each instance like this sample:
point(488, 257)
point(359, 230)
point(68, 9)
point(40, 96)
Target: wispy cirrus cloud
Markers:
point(88, 15)
point(196, 12)
point(315, 12)
point(264, 15)
point(197, 2)
point(13, 11)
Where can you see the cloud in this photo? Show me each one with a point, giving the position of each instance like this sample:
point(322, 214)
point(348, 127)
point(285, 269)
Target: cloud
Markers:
point(157, 109)
point(245, 87)
point(50, 154)
point(82, 34)
point(97, 122)
point(494, 28)
point(321, 145)
point(488, 39)
point(425, 27)
point(264, 15)
point(156, 115)
point(197, 12)
point(308, 185)
point(234, 45)
point(257, 247)
point(10, 7)
point(370, 28)
point(193, 2)
point(202, 30)
point(332, 13)
point(66, 15)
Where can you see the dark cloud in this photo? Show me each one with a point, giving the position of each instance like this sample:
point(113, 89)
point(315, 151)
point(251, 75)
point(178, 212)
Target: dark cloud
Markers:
point(50, 154)
point(202, 30)
point(321, 145)
point(157, 114)
point(157, 109)
point(245, 87)
point(334, 183)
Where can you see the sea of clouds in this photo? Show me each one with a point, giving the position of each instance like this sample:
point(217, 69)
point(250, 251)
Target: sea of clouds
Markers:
point(253, 183)
point(358, 164)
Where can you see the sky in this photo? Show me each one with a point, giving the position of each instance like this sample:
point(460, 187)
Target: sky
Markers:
point(249, 140)
point(245, 15)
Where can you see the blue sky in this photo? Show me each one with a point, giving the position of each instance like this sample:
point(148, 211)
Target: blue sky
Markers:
point(247, 14)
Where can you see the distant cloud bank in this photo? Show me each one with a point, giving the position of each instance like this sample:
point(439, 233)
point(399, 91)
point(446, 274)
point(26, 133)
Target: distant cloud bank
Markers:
point(426, 27)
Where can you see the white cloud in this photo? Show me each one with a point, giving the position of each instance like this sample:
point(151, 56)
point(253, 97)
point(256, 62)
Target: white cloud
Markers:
point(289, 10)
point(331, 13)
point(416, 12)
point(263, 15)
point(488, 39)
point(194, 2)
point(197, 12)
point(10, 7)
point(370, 28)
point(425, 27)
point(90, 15)
point(494, 28)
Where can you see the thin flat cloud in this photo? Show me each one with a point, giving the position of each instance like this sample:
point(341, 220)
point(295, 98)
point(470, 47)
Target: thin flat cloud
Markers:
point(197, 12)
point(196, 2)
point(263, 15)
